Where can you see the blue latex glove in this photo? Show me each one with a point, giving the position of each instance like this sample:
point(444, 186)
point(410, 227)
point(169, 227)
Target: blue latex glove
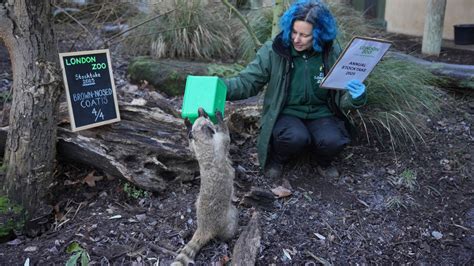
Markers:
point(355, 88)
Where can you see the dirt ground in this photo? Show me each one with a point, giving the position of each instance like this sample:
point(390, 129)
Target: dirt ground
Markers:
point(365, 216)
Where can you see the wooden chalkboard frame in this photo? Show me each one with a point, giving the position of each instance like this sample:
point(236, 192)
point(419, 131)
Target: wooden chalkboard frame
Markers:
point(74, 127)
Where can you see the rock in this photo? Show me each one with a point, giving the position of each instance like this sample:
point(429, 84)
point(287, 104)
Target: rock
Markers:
point(437, 235)
point(140, 217)
point(14, 242)
point(31, 249)
point(167, 76)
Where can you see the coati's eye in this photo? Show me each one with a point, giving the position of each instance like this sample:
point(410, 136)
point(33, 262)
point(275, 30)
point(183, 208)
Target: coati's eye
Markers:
point(209, 131)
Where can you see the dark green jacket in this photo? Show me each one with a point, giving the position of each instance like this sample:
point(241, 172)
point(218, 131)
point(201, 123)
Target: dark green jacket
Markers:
point(272, 66)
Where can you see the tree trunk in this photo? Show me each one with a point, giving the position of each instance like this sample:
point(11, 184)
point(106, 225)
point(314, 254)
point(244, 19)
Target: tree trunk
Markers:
point(25, 27)
point(433, 31)
point(277, 12)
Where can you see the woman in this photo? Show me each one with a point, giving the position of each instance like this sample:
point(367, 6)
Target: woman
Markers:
point(297, 114)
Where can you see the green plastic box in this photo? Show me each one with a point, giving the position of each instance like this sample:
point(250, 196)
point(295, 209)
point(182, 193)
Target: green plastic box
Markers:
point(208, 92)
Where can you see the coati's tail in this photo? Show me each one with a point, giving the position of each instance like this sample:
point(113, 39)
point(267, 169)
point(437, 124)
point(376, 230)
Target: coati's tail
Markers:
point(187, 254)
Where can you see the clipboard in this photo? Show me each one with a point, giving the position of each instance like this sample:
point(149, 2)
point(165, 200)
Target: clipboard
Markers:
point(357, 61)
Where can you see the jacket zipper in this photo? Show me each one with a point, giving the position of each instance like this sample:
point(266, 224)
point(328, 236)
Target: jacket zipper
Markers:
point(306, 93)
point(286, 78)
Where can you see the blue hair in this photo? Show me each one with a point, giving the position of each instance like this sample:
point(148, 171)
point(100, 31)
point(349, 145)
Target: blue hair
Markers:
point(317, 14)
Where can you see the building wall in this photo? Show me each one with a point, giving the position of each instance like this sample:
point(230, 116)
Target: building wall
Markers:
point(408, 16)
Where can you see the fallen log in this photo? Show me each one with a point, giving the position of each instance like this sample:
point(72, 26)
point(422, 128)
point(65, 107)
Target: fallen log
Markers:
point(458, 76)
point(148, 147)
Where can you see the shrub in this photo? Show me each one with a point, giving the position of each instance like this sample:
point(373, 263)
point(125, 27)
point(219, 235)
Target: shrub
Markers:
point(400, 99)
point(189, 31)
point(261, 22)
point(134, 192)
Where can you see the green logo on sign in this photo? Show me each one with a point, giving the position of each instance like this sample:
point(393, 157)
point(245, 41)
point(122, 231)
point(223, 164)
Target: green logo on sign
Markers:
point(368, 50)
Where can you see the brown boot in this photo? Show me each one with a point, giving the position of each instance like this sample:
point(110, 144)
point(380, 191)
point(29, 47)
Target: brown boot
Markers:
point(328, 171)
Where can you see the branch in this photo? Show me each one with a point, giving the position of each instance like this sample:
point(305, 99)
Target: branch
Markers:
point(7, 26)
point(5, 22)
point(75, 20)
point(138, 25)
point(244, 21)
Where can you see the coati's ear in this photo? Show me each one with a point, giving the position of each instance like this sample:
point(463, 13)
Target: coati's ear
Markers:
point(202, 113)
point(189, 127)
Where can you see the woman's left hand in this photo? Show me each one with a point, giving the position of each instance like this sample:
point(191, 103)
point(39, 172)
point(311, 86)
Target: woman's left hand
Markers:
point(355, 88)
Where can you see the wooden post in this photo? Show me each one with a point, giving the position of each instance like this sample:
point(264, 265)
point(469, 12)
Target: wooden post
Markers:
point(433, 31)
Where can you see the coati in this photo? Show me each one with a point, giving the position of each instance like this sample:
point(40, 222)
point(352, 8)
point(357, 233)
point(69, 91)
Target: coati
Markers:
point(216, 216)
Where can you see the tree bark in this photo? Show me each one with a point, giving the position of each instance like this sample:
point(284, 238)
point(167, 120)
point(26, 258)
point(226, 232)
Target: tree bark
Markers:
point(25, 27)
point(433, 31)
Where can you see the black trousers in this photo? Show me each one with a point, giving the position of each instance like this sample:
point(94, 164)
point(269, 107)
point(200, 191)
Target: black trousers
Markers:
point(324, 138)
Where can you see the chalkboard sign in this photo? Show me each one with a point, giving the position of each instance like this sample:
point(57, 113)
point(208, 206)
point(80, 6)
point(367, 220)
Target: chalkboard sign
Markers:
point(90, 88)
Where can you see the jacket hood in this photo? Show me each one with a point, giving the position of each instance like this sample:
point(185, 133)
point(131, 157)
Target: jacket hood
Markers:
point(279, 47)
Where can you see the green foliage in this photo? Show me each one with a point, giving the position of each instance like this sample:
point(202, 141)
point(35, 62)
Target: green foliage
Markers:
point(135, 192)
point(400, 99)
point(224, 70)
point(12, 217)
point(3, 168)
point(5, 96)
point(406, 179)
point(394, 202)
point(78, 253)
point(261, 22)
point(350, 22)
point(190, 31)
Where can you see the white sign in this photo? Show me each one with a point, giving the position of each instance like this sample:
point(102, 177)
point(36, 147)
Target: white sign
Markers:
point(356, 62)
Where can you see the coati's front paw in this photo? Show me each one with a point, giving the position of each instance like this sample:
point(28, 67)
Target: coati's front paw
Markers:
point(221, 125)
point(189, 127)
point(202, 113)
